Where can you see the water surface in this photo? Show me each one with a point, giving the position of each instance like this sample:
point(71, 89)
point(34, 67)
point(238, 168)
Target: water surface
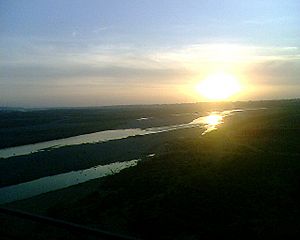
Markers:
point(204, 121)
point(25, 190)
point(51, 183)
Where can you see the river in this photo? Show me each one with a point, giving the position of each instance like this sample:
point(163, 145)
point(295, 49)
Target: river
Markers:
point(25, 190)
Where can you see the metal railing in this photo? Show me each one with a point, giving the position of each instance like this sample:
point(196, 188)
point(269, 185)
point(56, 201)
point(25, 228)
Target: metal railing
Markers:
point(71, 227)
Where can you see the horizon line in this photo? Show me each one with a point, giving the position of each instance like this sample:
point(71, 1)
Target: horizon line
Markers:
point(145, 104)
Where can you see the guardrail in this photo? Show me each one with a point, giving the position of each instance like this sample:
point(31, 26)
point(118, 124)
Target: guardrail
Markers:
point(71, 227)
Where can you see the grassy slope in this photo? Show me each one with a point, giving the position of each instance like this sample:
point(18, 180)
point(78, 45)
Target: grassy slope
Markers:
point(242, 180)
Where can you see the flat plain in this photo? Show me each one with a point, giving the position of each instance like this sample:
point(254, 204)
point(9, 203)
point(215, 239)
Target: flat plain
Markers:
point(241, 180)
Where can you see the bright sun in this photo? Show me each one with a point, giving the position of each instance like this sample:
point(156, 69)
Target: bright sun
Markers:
point(219, 86)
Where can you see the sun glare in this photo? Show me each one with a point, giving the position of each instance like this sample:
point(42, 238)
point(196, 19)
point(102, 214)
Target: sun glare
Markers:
point(219, 87)
point(213, 119)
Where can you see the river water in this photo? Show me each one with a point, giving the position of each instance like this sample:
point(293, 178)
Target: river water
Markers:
point(208, 123)
point(25, 190)
point(51, 183)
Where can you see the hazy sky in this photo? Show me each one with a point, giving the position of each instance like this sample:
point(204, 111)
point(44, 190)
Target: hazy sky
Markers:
point(84, 53)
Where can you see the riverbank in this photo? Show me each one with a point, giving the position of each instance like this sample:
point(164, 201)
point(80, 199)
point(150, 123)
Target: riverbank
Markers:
point(35, 125)
point(72, 158)
point(240, 181)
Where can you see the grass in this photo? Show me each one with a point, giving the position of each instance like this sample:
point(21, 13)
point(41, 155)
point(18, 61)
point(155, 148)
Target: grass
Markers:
point(32, 126)
point(240, 181)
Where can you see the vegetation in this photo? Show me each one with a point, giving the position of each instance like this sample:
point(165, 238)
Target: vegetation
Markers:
point(239, 181)
point(32, 126)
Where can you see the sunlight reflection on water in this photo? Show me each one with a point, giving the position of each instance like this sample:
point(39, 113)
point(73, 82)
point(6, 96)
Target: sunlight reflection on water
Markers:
point(213, 120)
point(209, 123)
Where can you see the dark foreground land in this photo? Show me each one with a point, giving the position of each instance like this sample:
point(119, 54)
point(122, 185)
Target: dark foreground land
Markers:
point(240, 181)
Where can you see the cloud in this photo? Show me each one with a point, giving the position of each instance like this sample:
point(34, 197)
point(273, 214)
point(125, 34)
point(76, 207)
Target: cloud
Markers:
point(268, 21)
point(94, 70)
point(74, 33)
point(277, 72)
point(53, 61)
point(234, 53)
point(105, 74)
point(100, 29)
point(62, 60)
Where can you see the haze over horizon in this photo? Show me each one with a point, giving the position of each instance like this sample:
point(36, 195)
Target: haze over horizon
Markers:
point(88, 53)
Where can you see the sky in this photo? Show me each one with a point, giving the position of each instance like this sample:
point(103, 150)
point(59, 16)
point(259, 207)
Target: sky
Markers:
point(56, 53)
